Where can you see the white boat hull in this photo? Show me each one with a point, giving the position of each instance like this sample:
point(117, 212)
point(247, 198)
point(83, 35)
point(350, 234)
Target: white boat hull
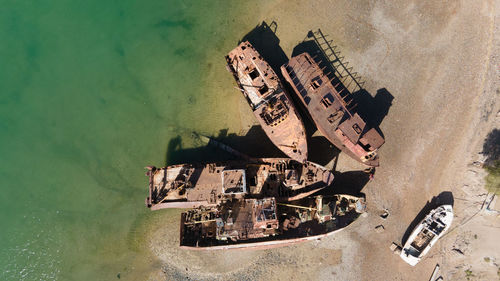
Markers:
point(426, 234)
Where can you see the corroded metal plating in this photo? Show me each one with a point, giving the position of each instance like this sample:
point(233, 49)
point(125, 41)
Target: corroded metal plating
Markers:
point(270, 103)
point(332, 110)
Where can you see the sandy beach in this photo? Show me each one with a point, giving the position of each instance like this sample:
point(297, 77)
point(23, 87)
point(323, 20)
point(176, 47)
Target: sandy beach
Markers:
point(439, 61)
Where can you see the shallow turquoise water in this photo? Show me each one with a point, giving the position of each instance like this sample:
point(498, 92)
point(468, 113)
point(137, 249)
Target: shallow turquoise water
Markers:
point(90, 93)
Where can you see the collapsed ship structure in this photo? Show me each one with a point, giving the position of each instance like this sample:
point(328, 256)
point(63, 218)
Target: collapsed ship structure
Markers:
point(270, 103)
point(331, 110)
point(265, 222)
point(194, 185)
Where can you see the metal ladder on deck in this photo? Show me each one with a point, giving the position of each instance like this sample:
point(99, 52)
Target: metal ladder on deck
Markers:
point(351, 81)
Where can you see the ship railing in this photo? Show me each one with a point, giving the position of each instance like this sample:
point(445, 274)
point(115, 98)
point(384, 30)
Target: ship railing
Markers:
point(348, 81)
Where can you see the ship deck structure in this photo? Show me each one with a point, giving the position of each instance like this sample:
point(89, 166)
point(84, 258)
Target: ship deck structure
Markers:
point(267, 223)
point(194, 185)
point(270, 103)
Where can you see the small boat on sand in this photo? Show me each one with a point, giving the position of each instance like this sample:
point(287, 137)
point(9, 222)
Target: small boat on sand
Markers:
point(270, 103)
point(426, 234)
point(267, 223)
point(195, 185)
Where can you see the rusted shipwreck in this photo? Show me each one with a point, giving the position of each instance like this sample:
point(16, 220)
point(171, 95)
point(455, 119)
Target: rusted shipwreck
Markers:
point(330, 109)
point(269, 101)
point(194, 185)
point(266, 223)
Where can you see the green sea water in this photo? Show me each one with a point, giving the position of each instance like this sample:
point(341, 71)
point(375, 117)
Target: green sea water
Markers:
point(90, 93)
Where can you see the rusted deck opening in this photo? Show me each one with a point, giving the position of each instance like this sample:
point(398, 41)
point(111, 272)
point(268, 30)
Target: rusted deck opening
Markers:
point(324, 85)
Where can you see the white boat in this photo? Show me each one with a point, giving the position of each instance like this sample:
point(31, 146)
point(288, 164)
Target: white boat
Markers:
point(425, 235)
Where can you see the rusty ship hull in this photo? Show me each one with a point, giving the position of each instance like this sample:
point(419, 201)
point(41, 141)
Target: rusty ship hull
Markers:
point(332, 110)
point(270, 103)
point(265, 223)
point(195, 185)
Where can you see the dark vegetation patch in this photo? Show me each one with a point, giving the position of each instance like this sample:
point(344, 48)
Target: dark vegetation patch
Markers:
point(491, 149)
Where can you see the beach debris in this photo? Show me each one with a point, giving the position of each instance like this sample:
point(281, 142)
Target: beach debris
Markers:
point(385, 214)
point(370, 172)
point(220, 145)
point(379, 228)
point(491, 205)
point(435, 272)
point(395, 248)
point(478, 164)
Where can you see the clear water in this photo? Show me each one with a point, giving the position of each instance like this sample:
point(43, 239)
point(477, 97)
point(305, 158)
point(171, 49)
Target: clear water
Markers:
point(90, 93)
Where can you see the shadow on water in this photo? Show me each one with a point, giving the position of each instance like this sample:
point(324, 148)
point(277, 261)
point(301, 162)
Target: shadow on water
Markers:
point(254, 144)
point(444, 198)
point(177, 154)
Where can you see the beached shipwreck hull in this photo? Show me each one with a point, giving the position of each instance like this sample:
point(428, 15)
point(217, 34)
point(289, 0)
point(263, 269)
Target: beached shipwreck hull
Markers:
point(426, 234)
point(332, 110)
point(195, 185)
point(270, 103)
point(266, 223)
